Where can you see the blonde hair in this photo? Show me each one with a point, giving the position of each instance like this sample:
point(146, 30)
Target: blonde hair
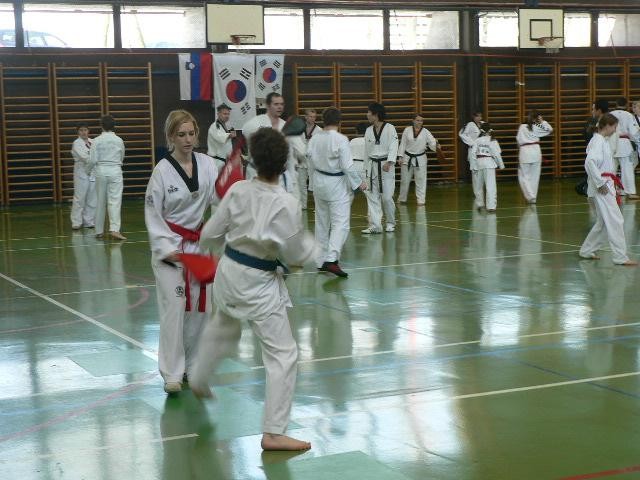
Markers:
point(173, 122)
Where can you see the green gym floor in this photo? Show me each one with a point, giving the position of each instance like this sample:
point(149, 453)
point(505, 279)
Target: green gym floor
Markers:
point(463, 346)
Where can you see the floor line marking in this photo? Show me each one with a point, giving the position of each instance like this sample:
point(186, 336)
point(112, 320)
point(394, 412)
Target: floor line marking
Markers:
point(29, 329)
point(75, 451)
point(605, 473)
point(145, 349)
point(60, 247)
point(99, 290)
point(56, 236)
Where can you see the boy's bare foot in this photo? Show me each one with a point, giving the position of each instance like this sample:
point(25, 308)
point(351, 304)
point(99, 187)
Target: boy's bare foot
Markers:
point(629, 263)
point(271, 441)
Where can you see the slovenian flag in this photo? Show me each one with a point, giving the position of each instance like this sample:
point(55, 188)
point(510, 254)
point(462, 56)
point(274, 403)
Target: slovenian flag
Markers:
point(196, 76)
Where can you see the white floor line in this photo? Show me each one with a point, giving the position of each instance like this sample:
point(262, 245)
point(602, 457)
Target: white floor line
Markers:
point(59, 247)
point(126, 287)
point(79, 451)
point(57, 236)
point(145, 350)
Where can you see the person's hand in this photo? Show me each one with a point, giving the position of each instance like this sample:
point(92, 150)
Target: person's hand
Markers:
point(501, 167)
point(363, 186)
point(387, 166)
point(173, 257)
point(233, 134)
point(603, 190)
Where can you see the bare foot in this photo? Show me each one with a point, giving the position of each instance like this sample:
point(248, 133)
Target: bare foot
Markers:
point(629, 263)
point(202, 391)
point(271, 441)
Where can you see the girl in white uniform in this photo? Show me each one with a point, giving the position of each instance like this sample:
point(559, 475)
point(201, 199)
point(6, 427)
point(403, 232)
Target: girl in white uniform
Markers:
point(469, 134)
point(83, 209)
point(609, 222)
point(528, 138)
point(260, 225)
point(487, 156)
point(180, 189)
point(413, 159)
point(625, 156)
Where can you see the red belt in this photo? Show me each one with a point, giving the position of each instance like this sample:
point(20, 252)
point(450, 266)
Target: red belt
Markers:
point(190, 236)
point(624, 136)
point(532, 143)
point(617, 183)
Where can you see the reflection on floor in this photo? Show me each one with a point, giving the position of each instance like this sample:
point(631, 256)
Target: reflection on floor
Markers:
point(465, 345)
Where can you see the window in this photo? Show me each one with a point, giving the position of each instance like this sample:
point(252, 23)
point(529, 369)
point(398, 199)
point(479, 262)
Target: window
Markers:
point(163, 27)
point(418, 30)
point(498, 29)
point(7, 26)
point(71, 26)
point(346, 29)
point(618, 29)
point(577, 29)
point(283, 29)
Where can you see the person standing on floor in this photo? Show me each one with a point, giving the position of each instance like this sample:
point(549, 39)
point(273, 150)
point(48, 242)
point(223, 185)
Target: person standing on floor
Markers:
point(530, 156)
point(625, 156)
point(609, 224)
point(335, 178)
point(83, 208)
point(220, 137)
point(259, 225)
point(381, 152)
point(487, 156)
point(413, 159)
point(181, 187)
point(106, 156)
point(357, 149)
point(469, 134)
point(311, 129)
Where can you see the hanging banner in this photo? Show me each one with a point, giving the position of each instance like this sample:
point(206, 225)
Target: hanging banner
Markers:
point(269, 71)
point(234, 85)
point(195, 72)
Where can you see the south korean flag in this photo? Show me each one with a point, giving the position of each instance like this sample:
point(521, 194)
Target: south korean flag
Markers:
point(269, 70)
point(234, 85)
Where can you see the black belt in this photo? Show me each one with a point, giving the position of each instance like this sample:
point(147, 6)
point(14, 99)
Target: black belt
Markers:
point(379, 162)
point(253, 262)
point(330, 174)
point(220, 158)
point(413, 158)
point(358, 160)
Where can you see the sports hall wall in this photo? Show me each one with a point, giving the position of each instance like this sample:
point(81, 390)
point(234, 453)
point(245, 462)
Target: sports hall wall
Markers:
point(46, 92)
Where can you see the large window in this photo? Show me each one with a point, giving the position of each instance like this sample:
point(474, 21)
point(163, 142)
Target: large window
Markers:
point(7, 26)
point(498, 29)
point(163, 27)
point(417, 30)
point(69, 26)
point(577, 29)
point(333, 29)
point(619, 30)
point(283, 29)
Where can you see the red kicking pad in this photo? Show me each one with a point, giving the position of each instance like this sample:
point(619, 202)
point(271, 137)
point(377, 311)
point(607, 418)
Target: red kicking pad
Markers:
point(203, 267)
point(231, 172)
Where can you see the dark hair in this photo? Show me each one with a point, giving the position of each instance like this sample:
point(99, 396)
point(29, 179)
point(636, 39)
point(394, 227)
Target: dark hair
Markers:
point(82, 125)
point(108, 123)
point(531, 118)
point(485, 129)
point(361, 128)
point(223, 106)
point(331, 116)
point(271, 96)
point(602, 105)
point(476, 113)
point(606, 120)
point(418, 114)
point(269, 151)
point(378, 110)
point(621, 101)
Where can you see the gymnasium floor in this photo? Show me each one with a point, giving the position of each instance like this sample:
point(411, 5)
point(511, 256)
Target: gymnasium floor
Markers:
point(464, 346)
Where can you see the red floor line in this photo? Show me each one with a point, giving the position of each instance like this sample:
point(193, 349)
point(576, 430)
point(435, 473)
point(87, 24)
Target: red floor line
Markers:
point(606, 473)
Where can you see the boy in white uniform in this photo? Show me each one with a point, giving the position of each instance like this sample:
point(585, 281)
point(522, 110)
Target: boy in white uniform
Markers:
point(530, 156)
point(609, 222)
point(624, 156)
point(219, 137)
point(180, 189)
point(487, 156)
point(106, 156)
point(381, 152)
point(469, 134)
point(303, 173)
point(334, 180)
point(413, 159)
point(259, 224)
point(83, 209)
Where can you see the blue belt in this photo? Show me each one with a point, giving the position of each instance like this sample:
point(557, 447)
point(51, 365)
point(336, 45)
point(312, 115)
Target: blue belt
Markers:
point(330, 174)
point(251, 261)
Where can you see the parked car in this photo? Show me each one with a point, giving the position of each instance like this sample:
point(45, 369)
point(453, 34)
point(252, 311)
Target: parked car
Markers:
point(31, 39)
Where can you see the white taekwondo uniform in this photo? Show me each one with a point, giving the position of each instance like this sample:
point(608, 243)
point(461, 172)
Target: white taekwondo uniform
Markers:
point(609, 221)
point(182, 306)
point(469, 134)
point(487, 156)
point(303, 172)
point(358, 156)
point(83, 208)
point(258, 223)
point(251, 127)
point(334, 180)
point(624, 156)
point(297, 154)
point(381, 147)
point(219, 143)
point(413, 163)
point(530, 157)
point(106, 156)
